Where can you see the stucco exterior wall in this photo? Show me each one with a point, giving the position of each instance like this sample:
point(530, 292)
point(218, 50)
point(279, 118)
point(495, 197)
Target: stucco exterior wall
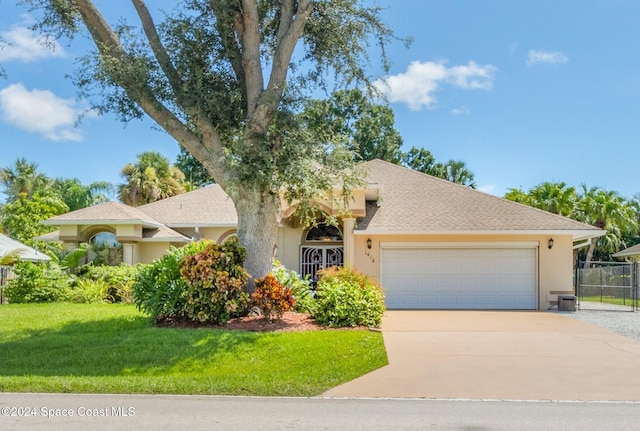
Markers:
point(289, 240)
point(149, 251)
point(555, 266)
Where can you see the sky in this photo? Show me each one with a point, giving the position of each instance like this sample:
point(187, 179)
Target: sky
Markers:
point(523, 91)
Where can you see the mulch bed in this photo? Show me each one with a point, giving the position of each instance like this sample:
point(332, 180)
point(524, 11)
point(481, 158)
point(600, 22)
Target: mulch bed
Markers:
point(289, 322)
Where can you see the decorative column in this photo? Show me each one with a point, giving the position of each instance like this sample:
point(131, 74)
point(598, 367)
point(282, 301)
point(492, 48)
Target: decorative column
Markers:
point(128, 253)
point(348, 241)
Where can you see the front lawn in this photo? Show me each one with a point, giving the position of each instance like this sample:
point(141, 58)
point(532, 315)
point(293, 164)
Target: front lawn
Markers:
point(111, 348)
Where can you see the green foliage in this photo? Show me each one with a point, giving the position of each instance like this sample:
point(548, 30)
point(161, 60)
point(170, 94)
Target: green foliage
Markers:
point(159, 290)
point(271, 298)
point(117, 281)
point(215, 278)
point(21, 218)
point(150, 179)
point(194, 173)
point(300, 288)
point(347, 298)
point(22, 178)
point(87, 291)
point(77, 195)
point(37, 282)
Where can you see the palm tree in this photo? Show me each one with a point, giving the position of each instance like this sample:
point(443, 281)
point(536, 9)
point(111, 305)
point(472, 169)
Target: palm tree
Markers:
point(457, 172)
point(150, 179)
point(76, 195)
point(555, 197)
point(22, 177)
point(609, 211)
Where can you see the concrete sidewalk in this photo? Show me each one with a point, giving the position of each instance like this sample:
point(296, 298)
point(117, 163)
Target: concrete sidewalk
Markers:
point(515, 355)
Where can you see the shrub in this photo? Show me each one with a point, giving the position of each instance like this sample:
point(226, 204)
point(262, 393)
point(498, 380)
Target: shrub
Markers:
point(37, 282)
point(86, 291)
point(271, 298)
point(300, 288)
point(117, 281)
point(215, 278)
point(159, 289)
point(347, 298)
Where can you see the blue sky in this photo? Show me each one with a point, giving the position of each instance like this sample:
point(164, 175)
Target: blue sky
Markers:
point(522, 91)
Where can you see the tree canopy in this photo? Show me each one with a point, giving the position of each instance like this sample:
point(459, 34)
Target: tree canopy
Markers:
point(150, 179)
point(225, 79)
point(595, 206)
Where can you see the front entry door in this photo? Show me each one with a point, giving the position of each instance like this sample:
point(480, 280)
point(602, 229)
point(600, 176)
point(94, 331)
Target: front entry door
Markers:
point(317, 257)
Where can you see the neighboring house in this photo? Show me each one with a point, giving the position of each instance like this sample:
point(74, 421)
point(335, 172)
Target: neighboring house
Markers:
point(631, 253)
point(10, 247)
point(431, 243)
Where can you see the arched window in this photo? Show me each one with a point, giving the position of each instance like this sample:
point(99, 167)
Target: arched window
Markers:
point(323, 233)
point(105, 249)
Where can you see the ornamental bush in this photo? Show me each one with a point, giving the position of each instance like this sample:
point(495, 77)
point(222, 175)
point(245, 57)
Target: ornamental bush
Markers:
point(345, 297)
point(117, 281)
point(159, 290)
point(215, 279)
point(300, 287)
point(271, 298)
point(37, 282)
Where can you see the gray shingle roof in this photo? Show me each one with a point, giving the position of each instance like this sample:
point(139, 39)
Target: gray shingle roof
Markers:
point(208, 206)
point(111, 212)
point(416, 202)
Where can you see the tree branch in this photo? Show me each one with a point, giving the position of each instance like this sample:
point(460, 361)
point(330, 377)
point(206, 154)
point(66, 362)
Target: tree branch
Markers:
point(250, 42)
point(156, 46)
point(109, 46)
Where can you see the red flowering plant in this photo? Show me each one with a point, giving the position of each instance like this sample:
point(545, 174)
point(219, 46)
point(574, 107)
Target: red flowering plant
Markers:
point(271, 298)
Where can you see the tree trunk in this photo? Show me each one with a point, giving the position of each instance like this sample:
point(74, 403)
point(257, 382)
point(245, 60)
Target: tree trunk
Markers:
point(592, 247)
point(258, 220)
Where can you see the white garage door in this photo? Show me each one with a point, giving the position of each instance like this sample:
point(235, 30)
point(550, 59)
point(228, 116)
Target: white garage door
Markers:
point(459, 278)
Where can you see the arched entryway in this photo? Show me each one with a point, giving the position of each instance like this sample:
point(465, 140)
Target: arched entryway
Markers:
point(322, 247)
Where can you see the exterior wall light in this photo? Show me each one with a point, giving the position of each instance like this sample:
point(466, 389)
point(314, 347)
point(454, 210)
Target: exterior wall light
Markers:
point(550, 243)
point(369, 243)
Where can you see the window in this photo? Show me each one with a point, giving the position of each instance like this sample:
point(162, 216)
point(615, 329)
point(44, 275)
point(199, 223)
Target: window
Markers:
point(323, 233)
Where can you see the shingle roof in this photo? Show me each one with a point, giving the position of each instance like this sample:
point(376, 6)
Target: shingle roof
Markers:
point(163, 233)
point(416, 202)
point(631, 251)
point(208, 206)
point(111, 212)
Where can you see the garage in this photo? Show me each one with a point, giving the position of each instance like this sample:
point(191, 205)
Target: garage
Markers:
point(475, 276)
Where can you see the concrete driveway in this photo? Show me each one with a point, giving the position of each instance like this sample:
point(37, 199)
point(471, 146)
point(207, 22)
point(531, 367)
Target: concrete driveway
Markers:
point(517, 355)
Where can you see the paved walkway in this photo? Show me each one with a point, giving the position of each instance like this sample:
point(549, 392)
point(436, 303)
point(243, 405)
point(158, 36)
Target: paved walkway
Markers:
point(500, 355)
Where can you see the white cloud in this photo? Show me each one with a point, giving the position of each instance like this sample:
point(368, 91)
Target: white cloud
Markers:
point(418, 85)
point(22, 44)
point(463, 110)
point(489, 189)
point(545, 57)
point(41, 111)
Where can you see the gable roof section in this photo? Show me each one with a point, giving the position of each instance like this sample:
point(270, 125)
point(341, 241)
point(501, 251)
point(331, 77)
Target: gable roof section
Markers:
point(108, 212)
point(208, 206)
point(413, 202)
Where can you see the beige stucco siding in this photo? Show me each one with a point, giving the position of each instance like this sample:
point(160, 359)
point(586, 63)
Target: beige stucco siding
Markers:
point(128, 232)
point(150, 251)
point(289, 240)
point(554, 265)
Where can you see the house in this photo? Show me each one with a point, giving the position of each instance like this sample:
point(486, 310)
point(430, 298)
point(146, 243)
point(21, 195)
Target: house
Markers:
point(431, 243)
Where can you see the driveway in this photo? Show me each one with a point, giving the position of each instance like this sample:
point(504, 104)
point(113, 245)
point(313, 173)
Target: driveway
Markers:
point(517, 355)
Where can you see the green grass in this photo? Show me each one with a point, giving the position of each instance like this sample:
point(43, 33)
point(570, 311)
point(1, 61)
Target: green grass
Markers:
point(608, 300)
point(107, 348)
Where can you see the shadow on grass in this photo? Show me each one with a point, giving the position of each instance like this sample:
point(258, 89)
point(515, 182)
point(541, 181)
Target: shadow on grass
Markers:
point(116, 347)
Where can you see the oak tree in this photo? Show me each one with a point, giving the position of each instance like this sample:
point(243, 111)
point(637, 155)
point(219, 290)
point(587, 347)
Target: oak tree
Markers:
point(225, 79)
